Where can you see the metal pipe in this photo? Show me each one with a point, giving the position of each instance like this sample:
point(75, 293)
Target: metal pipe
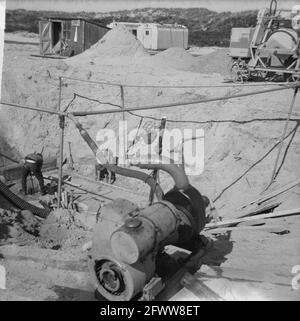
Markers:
point(201, 101)
point(61, 147)
point(9, 158)
point(155, 173)
point(176, 172)
point(123, 118)
point(259, 84)
point(44, 110)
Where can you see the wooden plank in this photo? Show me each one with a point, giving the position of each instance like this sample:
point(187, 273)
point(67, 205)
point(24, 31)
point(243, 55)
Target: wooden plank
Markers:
point(111, 186)
point(49, 57)
point(266, 197)
point(79, 188)
point(236, 274)
point(173, 284)
point(265, 228)
point(295, 211)
point(202, 291)
point(261, 208)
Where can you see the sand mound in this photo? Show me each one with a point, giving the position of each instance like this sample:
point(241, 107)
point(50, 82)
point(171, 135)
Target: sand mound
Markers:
point(217, 62)
point(61, 230)
point(18, 227)
point(118, 44)
point(176, 58)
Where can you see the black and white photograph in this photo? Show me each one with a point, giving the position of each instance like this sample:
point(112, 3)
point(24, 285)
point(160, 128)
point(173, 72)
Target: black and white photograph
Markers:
point(149, 153)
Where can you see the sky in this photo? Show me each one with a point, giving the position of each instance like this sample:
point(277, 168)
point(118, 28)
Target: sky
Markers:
point(113, 5)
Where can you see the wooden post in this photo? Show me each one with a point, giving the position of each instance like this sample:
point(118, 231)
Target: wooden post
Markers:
point(61, 146)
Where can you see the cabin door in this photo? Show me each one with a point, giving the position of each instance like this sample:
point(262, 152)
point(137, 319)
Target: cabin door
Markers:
point(147, 38)
point(45, 37)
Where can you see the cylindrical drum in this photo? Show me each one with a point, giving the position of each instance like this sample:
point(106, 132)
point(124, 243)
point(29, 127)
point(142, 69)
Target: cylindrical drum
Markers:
point(141, 234)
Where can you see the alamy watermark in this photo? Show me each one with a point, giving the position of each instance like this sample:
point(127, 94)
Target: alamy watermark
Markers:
point(141, 145)
point(2, 278)
point(296, 279)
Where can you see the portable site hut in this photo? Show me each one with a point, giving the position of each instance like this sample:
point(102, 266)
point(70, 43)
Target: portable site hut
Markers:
point(130, 26)
point(157, 36)
point(68, 36)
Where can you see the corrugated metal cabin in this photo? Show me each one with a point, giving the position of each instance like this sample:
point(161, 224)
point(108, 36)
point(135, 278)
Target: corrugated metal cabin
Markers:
point(157, 36)
point(68, 36)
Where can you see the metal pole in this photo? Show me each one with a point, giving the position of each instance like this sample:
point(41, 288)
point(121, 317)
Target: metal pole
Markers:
point(123, 119)
point(44, 110)
point(183, 103)
point(71, 162)
point(155, 172)
point(273, 176)
point(61, 147)
point(122, 101)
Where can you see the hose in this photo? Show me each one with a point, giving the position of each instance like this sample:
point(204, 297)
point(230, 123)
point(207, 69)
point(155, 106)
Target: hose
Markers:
point(20, 203)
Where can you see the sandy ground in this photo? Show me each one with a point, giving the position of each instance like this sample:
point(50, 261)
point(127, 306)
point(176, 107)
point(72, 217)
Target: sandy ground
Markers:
point(230, 148)
point(21, 37)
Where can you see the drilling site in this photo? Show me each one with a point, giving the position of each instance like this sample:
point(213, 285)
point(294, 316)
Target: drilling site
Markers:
point(151, 230)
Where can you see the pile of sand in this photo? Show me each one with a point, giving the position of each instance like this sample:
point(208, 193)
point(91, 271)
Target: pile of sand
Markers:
point(216, 62)
point(230, 149)
point(61, 230)
point(176, 58)
point(18, 227)
point(118, 44)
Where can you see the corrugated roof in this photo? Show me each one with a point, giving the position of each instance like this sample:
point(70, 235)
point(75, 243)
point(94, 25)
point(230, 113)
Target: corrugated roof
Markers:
point(75, 18)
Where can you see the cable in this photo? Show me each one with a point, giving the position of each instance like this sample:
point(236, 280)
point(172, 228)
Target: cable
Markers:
point(285, 154)
point(257, 162)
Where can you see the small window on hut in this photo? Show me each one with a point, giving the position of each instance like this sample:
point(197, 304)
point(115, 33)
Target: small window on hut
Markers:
point(147, 32)
point(67, 30)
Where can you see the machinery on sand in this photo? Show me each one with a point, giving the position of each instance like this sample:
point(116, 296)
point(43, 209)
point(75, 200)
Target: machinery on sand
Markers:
point(271, 50)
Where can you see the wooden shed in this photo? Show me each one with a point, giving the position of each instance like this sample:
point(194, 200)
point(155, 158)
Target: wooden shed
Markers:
point(68, 36)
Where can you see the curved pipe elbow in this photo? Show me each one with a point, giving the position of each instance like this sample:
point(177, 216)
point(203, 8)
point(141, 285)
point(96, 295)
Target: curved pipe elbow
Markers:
point(176, 172)
point(155, 187)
